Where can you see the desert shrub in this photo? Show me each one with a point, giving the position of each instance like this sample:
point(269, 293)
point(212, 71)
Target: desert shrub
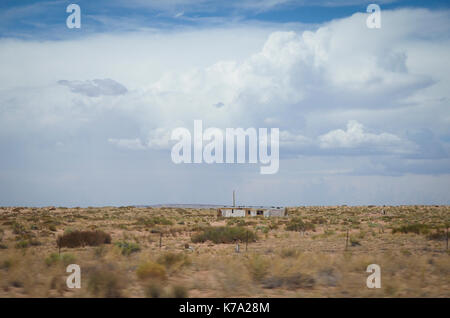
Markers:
point(258, 267)
point(416, 228)
point(156, 220)
point(22, 244)
point(3, 246)
point(273, 226)
point(354, 241)
point(297, 224)
point(289, 252)
point(328, 276)
point(55, 258)
point(18, 228)
point(179, 291)
point(104, 282)
point(99, 251)
point(69, 230)
point(128, 248)
point(291, 281)
point(6, 264)
point(263, 229)
point(224, 234)
point(52, 259)
point(319, 220)
point(154, 290)
point(173, 260)
point(438, 235)
point(34, 242)
point(197, 228)
point(83, 238)
point(238, 222)
point(151, 270)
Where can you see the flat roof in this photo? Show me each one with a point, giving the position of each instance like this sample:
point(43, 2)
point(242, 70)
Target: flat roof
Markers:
point(252, 207)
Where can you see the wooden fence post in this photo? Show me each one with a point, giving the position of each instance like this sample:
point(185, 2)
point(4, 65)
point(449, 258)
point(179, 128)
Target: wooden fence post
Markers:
point(447, 237)
point(160, 240)
point(246, 242)
point(346, 241)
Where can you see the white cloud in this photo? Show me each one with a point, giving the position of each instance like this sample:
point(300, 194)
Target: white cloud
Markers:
point(355, 136)
point(159, 138)
point(95, 88)
point(134, 144)
point(292, 141)
point(394, 80)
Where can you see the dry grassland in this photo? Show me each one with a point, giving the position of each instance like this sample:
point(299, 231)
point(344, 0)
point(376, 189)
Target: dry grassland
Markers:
point(302, 255)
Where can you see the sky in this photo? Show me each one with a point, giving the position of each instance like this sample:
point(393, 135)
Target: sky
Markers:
point(86, 114)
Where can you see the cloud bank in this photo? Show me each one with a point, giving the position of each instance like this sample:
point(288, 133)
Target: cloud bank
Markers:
point(352, 104)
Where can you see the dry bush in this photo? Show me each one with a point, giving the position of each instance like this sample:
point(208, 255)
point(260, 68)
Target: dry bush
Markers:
point(174, 261)
point(232, 279)
point(224, 234)
point(83, 238)
point(297, 224)
point(154, 289)
point(178, 291)
point(258, 267)
point(416, 228)
point(56, 258)
point(289, 281)
point(105, 282)
point(128, 248)
point(289, 252)
point(151, 270)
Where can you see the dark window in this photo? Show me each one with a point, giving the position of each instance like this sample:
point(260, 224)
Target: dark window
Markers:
point(260, 212)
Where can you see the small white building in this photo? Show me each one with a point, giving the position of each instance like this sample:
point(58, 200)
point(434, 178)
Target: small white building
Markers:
point(249, 211)
point(245, 211)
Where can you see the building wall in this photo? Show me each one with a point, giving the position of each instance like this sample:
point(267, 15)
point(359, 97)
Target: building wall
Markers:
point(233, 213)
point(275, 213)
point(242, 212)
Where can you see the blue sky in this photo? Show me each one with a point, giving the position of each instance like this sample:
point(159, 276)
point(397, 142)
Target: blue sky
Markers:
point(45, 19)
point(86, 114)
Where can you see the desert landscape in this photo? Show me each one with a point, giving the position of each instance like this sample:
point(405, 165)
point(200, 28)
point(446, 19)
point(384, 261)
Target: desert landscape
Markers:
point(187, 252)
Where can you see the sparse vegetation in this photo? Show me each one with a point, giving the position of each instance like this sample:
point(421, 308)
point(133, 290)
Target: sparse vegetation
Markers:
point(225, 234)
point(171, 252)
point(56, 258)
point(83, 238)
point(151, 270)
point(297, 224)
point(412, 228)
point(128, 248)
point(105, 282)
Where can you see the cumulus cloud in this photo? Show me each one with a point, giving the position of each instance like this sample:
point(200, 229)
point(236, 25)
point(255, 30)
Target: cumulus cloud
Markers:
point(356, 136)
point(318, 86)
point(95, 88)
